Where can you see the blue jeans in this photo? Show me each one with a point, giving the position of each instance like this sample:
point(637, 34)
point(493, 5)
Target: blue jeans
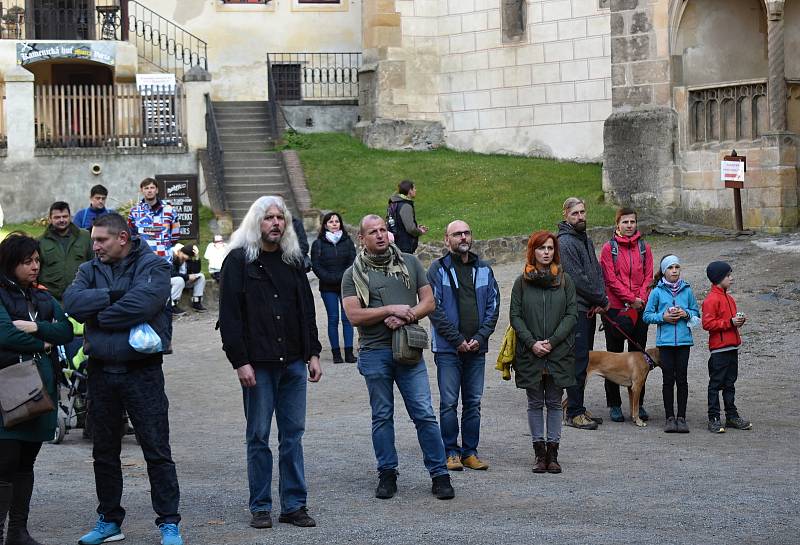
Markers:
point(333, 306)
point(460, 373)
point(282, 390)
point(381, 373)
point(584, 342)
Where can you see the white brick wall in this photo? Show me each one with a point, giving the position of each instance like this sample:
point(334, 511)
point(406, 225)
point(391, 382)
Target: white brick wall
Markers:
point(552, 90)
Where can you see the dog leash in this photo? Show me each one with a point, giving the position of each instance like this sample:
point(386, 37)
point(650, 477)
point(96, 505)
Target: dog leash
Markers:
point(647, 358)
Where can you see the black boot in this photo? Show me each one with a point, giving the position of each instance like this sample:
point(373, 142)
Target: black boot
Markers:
point(197, 304)
point(5, 504)
point(349, 357)
point(540, 449)
point(18, 513)
point(337, 355)
point(176, 309)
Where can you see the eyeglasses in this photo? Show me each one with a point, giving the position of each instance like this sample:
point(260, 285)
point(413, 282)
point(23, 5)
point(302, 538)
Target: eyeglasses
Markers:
point(459, 234)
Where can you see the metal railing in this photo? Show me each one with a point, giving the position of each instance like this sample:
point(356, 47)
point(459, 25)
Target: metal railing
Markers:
point(216, 154)
point(313, 76)
point(109, 116)
point(733, 112)
point(70, 20)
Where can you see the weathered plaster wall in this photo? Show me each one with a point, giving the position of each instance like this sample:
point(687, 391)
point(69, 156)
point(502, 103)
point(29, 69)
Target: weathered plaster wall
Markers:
point(722, 40)
point(240, 36)
point(323, 118)
point(27, 188)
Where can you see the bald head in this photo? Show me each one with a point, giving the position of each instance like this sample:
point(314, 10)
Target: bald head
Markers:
point(373, 234)
point(458, 238)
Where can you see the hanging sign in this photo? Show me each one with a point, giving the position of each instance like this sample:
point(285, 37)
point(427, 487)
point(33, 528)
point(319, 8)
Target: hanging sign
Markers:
point(103, 52)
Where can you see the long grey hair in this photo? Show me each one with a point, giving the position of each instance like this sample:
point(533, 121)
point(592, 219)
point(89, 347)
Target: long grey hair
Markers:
point(248, 235)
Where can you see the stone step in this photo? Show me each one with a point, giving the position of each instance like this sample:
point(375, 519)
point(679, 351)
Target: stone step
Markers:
point(248, 163)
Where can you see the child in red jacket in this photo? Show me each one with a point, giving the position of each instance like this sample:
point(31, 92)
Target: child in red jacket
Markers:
point(722, 322)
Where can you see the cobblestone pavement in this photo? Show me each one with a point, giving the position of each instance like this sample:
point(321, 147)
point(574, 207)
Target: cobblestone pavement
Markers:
point(620, 484)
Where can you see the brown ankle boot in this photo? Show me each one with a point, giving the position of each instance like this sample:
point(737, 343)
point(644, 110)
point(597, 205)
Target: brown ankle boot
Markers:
point(552, 458)
point(540, 450)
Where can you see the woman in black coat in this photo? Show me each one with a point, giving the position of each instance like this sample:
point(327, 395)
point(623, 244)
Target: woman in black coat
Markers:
point(31, 325)
point(331, 254)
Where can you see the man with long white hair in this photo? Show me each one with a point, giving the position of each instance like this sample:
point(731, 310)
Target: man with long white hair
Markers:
point(269, 334)
point(384, 290)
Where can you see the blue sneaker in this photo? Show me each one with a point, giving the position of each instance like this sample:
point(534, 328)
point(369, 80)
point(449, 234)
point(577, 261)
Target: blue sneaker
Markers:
point(616, 414)
point(170, 535)
point(103, 532)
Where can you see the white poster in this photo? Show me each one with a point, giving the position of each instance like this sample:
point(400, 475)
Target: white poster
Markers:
point(732, 171)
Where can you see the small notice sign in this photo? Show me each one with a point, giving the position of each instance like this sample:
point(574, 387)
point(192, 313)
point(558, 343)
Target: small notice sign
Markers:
point(732, 169)
point(180, 190)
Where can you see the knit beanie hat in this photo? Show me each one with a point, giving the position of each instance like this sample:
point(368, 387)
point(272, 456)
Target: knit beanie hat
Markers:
point(717, 271)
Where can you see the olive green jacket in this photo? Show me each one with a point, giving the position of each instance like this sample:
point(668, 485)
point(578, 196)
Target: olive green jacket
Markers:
point(58, 267)
point(537, 314)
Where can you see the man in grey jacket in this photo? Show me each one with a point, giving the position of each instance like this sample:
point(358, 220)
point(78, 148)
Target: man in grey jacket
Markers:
point(579, 261)
point(124, 286)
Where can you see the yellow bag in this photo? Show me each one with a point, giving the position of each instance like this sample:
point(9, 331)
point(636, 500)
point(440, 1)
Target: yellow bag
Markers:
point(506, 357)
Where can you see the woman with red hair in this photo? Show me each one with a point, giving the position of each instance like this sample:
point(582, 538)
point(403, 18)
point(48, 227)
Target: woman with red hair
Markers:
point(543, 314)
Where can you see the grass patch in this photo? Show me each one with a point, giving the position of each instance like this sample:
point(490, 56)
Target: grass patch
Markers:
point(497, 195)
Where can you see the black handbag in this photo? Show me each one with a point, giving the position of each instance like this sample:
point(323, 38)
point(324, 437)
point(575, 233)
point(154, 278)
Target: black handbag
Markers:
point(408, 342)
point(23, 396)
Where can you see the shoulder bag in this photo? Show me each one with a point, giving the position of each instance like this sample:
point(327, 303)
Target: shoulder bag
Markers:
point(408, 342)
point(23, 396)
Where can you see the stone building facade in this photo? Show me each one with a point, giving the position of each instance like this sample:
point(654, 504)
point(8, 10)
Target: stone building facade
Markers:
point(659, 90)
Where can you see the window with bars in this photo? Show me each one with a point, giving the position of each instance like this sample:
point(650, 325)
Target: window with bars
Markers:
point(287, 79)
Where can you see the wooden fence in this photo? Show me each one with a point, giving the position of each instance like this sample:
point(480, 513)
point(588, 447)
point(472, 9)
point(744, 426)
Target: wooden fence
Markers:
point(3, 137)
point(109, 116)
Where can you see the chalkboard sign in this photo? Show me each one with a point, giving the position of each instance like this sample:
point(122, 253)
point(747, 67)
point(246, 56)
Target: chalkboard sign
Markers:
point(180, 190)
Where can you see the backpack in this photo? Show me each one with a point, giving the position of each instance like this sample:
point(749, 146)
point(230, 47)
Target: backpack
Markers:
point(392, 217)
point(615, 250)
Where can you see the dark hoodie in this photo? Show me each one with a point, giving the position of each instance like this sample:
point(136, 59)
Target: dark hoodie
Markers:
point(406, 231)
point(578, 259)
point(112, 298)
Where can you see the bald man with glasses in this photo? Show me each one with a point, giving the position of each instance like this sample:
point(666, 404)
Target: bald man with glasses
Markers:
point(467, 306)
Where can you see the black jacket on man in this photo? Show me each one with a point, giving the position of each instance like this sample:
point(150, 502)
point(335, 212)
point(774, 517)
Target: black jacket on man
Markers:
point(580, 262)
point(329, 261)
point(111, 304)
point(252, 329)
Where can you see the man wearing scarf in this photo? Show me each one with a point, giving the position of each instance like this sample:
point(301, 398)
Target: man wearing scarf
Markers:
point(384, 290)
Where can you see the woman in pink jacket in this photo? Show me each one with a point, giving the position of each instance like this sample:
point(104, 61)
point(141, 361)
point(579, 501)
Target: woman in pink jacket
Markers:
point(627, 264)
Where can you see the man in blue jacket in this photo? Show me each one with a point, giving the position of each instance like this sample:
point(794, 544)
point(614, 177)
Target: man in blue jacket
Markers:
point(124, 286)
point(467, 305)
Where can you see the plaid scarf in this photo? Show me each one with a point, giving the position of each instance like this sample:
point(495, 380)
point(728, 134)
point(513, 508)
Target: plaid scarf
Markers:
point(390, 263)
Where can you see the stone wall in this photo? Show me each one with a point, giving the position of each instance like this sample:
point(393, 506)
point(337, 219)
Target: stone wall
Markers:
point(311, 117)
point(27, 188)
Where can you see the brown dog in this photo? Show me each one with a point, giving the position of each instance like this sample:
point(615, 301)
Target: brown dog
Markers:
point(628, 369)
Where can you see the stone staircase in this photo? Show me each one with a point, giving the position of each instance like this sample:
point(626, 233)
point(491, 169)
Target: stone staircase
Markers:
point(252, 166)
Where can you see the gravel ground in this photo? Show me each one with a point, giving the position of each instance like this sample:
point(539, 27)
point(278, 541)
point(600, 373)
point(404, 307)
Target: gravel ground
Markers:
point(620, 484)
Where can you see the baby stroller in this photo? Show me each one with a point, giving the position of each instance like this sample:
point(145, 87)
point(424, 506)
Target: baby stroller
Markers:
point(72, 398)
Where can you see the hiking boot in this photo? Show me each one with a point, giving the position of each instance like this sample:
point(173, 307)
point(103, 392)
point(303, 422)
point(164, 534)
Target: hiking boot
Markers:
point(715, 426)
point(593, 418)
point(298, 518)
point(615, 413)
point(349, 356)
point(552, 458)
point(176, 309)
point(387, 484)
point(643, 416)
point(442, 489)
point(337, 355)
point(170, 535)
point(738, 423)
point(197, 305)
point(681, 425)
point(473, 462)
point(582, 422)
point(454, 463)
point(671, 426)
point(540, 449)
point(103, 532)
point(261, 519)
